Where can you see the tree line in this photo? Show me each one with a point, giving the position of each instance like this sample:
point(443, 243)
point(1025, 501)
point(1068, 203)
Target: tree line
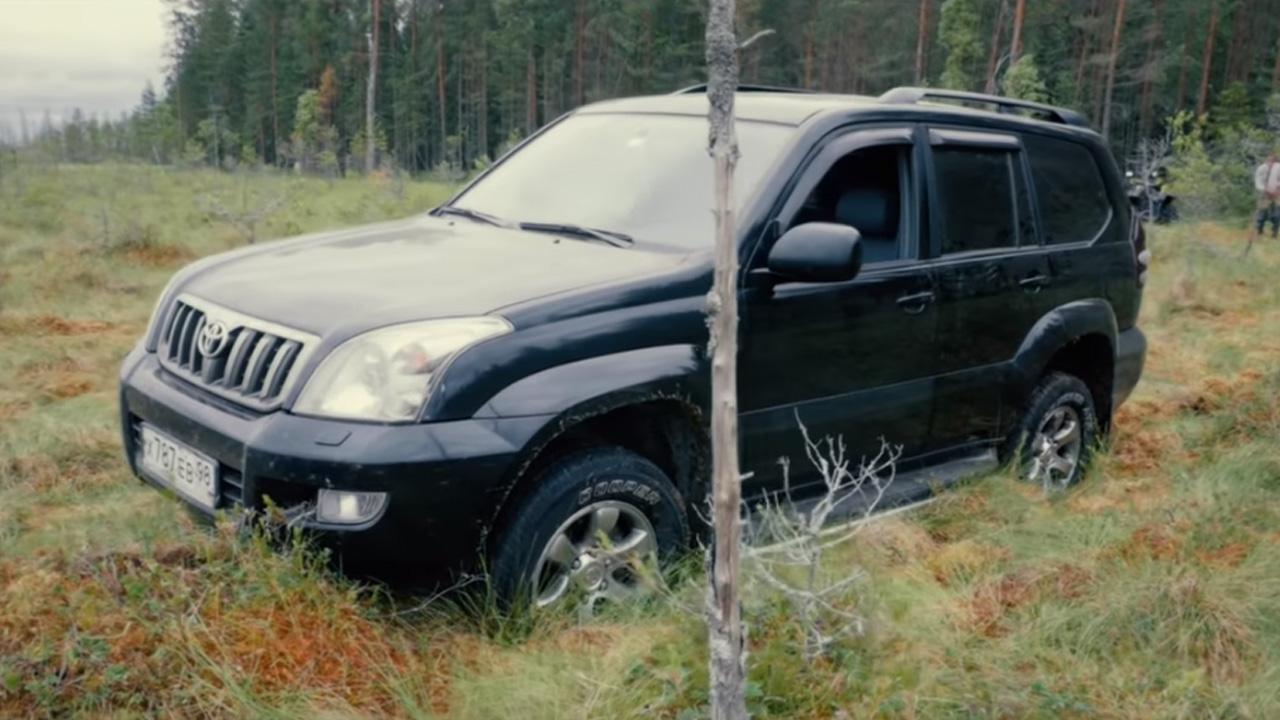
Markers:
point(455, 82)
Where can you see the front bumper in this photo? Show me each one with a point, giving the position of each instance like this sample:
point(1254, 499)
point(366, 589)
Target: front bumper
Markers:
point(1131, 356)
point(443, 480)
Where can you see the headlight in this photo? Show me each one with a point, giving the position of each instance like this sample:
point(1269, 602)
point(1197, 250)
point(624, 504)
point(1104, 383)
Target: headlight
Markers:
point(386, 374)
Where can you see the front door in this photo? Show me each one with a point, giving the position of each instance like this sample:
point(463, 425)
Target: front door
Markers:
point(850, 360)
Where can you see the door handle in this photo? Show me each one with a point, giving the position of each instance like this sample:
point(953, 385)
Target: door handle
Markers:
point(1034, 283)
point(915, 304)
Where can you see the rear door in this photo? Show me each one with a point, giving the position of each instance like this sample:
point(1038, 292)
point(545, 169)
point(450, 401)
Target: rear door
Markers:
point(1082, 234)
point(992, 275)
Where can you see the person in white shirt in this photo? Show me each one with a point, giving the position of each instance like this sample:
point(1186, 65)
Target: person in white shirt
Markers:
point(1266, 180)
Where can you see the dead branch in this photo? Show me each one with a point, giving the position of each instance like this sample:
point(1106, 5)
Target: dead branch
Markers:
point(249, 210)
point(791, 542)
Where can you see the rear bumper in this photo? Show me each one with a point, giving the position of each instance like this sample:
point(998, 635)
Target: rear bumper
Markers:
point(443, 480)
point(1131, 357)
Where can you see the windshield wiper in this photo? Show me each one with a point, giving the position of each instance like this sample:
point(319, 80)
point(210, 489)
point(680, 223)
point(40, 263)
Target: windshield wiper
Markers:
point(472, 214)
point(615, 239)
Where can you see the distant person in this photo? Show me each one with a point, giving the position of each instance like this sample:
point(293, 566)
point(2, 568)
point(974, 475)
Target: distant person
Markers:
point(1266, 180)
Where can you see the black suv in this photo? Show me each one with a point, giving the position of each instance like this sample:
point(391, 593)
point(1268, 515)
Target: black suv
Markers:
point(509, 380)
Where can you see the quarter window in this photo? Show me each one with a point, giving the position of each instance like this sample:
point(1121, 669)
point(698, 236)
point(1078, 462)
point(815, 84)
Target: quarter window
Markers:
point(1073, 198)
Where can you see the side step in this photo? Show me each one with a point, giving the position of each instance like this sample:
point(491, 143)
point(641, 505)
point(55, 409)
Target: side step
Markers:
point(907, 491)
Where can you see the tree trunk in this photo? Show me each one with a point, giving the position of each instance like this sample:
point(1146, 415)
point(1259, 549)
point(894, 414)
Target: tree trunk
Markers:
point(922, 41)
point(371, 94)
point(724, 612)
point(1186, 57)
point(441, 98)
point(1019, 16)
point(1111, 69)
point(809, 45)
point(648, 51)
point(1086, 46)
point(579, 54)
point(994, 56)
point(1149, 70)
point(482, 122)
point(1275, 72)
point(1202, 102)
point(275, 96)
point(1234, 50)
point(531, 94)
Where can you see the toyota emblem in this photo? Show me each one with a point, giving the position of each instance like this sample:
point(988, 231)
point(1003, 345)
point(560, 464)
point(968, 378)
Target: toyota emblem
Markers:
point(212, 339)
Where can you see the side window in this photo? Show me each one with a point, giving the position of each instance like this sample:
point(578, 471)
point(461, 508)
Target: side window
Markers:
point(865, 189)
point(983, 199)
point(1073, 198)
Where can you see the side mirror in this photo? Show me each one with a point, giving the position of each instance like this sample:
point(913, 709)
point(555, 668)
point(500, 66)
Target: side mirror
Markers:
point(817, 252)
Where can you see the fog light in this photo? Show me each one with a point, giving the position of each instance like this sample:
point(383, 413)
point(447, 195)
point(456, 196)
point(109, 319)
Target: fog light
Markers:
point(348, 508)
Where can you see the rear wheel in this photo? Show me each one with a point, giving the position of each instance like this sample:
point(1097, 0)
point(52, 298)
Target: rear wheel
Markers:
point(1057, 432)
point(578, 536)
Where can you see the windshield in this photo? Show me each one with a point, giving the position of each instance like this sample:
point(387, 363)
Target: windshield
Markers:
point(647, 176)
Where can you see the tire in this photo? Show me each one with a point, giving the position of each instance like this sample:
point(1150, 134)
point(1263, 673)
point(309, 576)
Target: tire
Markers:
point(1059, 396)
point(590, 485)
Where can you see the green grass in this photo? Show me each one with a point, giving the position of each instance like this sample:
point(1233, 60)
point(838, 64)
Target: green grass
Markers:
point(1147, 592)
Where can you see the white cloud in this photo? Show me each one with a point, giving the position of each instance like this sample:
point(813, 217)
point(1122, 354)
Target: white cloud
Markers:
point(96, 55)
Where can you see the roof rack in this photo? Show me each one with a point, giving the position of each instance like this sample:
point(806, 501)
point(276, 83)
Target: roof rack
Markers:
point(702, 88)
point(1004, 105)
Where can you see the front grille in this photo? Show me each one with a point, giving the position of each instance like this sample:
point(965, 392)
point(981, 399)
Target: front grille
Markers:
point(248, 361)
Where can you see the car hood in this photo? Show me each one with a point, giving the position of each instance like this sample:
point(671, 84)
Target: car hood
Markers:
point(416, 269)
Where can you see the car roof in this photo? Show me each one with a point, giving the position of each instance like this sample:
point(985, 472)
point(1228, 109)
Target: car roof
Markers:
point(791, 107)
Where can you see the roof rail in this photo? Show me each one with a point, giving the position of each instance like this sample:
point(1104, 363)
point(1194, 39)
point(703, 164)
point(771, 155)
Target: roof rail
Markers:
point(702, 88)
point(1004, 105)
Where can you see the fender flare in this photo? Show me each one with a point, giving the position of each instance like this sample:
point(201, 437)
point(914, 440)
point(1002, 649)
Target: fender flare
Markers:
point(1054, 331)
point(575, 393)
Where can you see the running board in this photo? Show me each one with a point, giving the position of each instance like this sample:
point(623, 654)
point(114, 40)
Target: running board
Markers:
point(907, 491)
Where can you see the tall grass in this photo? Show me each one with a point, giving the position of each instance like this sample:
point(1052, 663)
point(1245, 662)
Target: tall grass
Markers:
point(1146, 592)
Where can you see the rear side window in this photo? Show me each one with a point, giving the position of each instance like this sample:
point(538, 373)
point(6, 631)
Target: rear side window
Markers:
point(1073, 197)
point(976, 188)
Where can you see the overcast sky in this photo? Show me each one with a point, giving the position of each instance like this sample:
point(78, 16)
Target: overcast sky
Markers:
point(97, 55)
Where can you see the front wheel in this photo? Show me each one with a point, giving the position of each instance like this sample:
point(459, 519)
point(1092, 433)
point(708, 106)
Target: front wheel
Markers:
point(579, 534)
point(1057, 431)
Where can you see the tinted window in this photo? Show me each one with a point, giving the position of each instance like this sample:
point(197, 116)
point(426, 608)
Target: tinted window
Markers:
point(1069, 185)
point(976, 191)
point(648, 176)
point(864, 190)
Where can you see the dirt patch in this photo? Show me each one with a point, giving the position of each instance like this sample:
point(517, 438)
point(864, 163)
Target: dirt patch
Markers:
point(159, 255)
point(957, 563)
point(993, 600)
point(895, 540)
point(11, 410)
point(1152, 541)
point(1229, 556)
point(50, 325)
point(986, 611)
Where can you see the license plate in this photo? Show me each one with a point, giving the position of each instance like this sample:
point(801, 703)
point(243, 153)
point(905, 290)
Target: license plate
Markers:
point(191, 474)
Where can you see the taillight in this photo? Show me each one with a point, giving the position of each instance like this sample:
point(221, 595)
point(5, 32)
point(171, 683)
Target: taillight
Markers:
point(1140, 251)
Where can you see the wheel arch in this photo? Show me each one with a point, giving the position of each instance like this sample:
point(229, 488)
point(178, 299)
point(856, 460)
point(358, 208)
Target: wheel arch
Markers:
point(655, 408)
point(1079, 339)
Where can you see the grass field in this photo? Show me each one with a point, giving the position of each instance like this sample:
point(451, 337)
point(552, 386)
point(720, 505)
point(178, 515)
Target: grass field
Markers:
point(1150, 591)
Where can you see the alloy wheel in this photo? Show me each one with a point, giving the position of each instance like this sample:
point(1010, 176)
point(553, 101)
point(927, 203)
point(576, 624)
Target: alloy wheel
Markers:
point(592, 553)
point(1056, 448)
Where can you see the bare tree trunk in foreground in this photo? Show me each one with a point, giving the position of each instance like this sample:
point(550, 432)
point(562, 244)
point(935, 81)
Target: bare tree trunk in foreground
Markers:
point(728, 664)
